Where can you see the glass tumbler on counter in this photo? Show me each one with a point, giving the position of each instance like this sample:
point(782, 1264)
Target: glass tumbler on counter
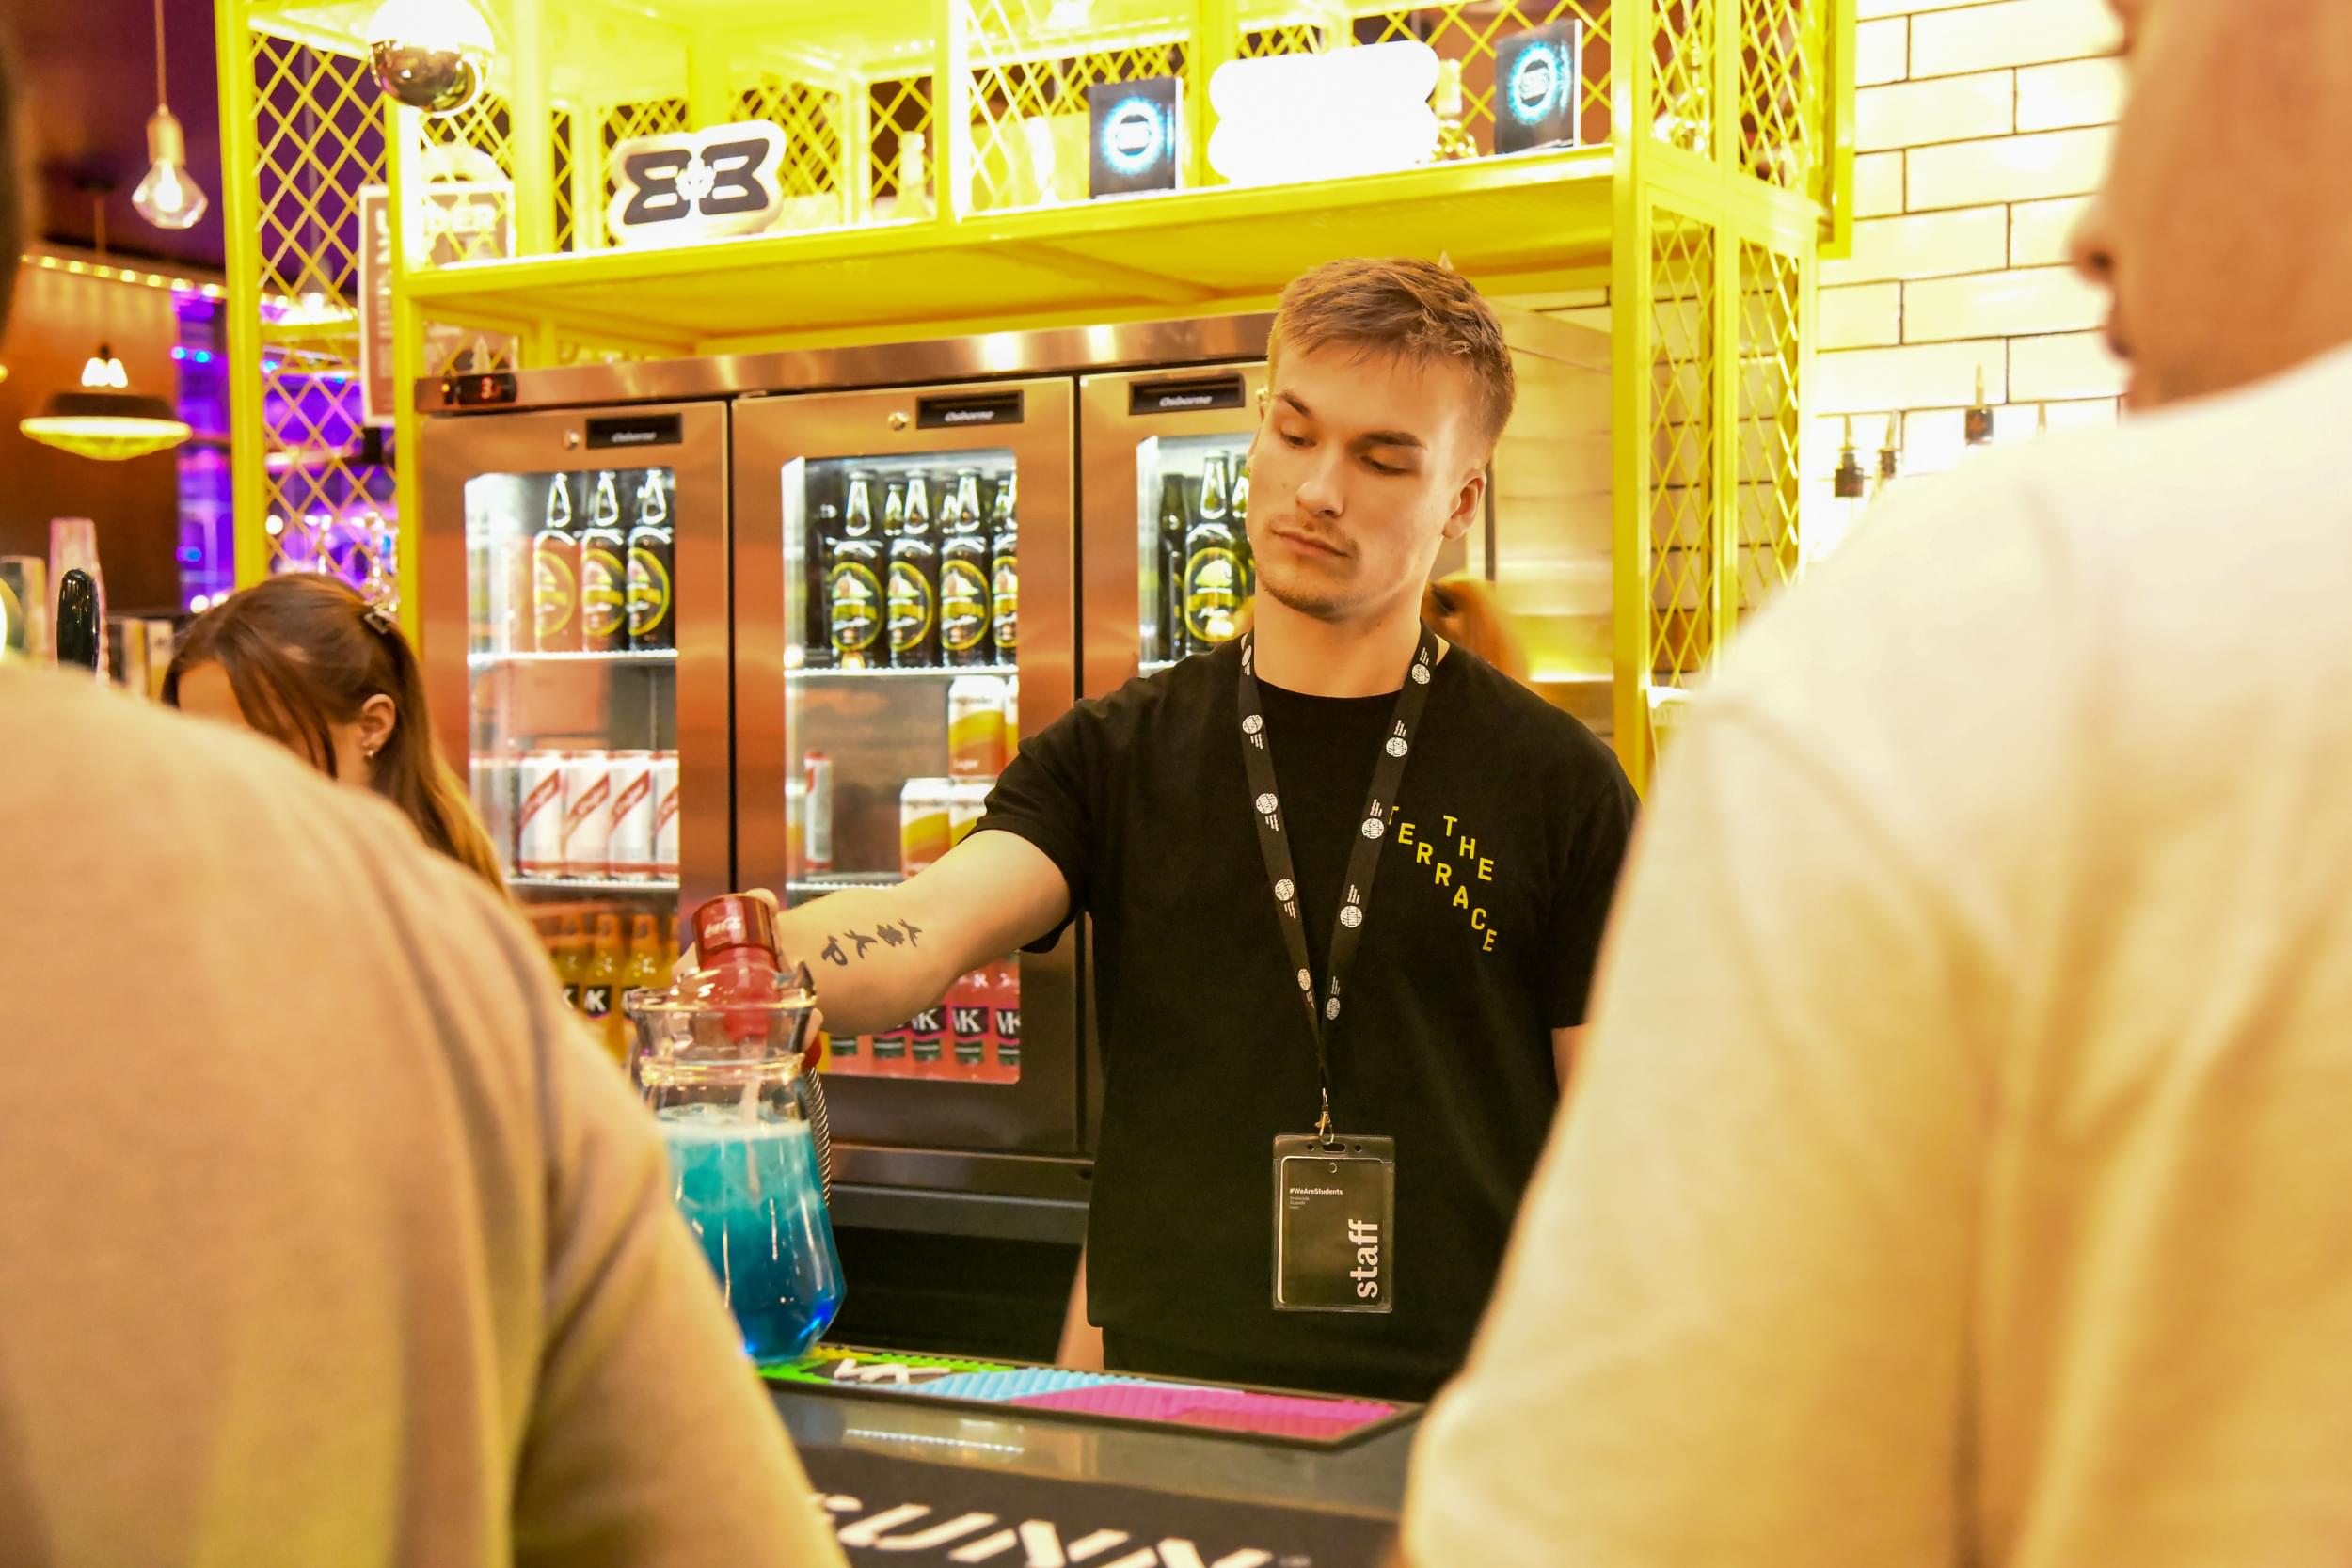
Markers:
point(718, 1059)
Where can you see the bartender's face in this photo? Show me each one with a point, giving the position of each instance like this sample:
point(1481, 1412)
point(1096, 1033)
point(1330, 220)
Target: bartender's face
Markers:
point(1362, 467)
point(2225, 227)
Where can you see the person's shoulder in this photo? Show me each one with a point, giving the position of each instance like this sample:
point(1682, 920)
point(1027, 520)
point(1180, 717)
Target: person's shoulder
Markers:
point(1518, 720)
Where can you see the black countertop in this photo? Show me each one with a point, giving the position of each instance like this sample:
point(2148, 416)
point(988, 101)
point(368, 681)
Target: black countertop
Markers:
point(909, 1482)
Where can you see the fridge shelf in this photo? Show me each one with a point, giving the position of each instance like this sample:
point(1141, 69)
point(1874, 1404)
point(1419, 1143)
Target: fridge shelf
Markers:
point(930, 672)
point(592, 884)
point(817, 887)
point(624, 655)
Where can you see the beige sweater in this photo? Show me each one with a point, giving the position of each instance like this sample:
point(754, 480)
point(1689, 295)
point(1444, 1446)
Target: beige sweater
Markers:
point(323, 1238)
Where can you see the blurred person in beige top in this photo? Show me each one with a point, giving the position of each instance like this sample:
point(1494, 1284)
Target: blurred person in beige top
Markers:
point(366, 1258)
point(1959, 1172)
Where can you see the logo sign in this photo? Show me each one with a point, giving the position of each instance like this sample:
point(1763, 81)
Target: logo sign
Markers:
point(1542, 76)
point(1135, 136)
point(683, 187)
point(1291, 117)
point(468, 220)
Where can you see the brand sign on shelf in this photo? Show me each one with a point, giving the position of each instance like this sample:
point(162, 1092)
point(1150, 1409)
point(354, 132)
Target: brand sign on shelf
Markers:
point(1539, 96)
point(1136, 134)
point(1288, 118)
point(468, 220)
point(682, 187)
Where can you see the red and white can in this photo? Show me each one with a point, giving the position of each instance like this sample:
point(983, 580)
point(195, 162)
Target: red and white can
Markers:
point(539, 814)
point(665, 812)
point(587, 813)
point(630, 844)
point(493, 780)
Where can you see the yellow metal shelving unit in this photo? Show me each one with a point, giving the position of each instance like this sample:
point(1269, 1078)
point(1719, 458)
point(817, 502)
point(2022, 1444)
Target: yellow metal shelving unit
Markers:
point(1716, 169)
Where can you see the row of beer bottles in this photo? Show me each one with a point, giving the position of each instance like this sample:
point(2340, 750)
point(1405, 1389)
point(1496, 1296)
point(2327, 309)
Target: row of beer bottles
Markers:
point(905, 593)
point(1206, 572)
point(596, 587)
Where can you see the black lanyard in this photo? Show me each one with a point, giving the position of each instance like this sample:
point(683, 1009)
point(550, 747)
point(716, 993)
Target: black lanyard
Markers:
point(1363, 863)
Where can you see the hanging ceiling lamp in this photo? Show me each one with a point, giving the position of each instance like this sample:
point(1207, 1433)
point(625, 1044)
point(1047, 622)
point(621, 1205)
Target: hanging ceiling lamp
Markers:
point(103, 418)
point(168, 197)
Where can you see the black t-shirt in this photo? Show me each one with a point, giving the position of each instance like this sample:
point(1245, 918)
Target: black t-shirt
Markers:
point(1479, 938)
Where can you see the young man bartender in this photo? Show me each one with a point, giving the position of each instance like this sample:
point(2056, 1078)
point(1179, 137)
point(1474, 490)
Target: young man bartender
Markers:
point(1347, 888)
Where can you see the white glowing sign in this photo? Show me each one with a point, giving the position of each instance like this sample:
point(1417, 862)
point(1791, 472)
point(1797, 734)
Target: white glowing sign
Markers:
point(683, 186)
point(1323, 117)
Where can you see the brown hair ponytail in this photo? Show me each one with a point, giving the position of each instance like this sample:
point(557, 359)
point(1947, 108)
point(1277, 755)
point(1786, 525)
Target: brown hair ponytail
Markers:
point(304, 654)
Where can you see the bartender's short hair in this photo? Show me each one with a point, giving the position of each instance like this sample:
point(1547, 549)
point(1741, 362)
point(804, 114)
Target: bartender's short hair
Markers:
point(1421, 312)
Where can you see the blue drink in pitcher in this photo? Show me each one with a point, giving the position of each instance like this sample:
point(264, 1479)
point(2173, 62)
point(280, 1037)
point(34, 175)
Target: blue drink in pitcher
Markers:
point(720, 1061)
point(751, 1191)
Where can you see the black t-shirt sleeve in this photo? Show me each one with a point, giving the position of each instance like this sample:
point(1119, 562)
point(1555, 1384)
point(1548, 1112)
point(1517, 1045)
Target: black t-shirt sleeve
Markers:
point(1588, 885)
point(1047, 794)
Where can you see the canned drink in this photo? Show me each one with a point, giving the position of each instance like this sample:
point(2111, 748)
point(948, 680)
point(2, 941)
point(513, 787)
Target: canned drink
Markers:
point(1013, 717)
point(967, 802)
point(629, 838)
point(587, 813)
point(975, 727)
point(493, 780)
point(539, 813)
point(923, 813)
point(817, 813)
point(665, 808)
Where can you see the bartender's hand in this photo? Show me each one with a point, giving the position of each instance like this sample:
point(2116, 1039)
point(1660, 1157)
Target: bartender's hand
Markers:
point(689, 961)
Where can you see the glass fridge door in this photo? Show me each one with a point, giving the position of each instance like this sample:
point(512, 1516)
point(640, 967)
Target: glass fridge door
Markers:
point(1168, 566)
point(919, 538)
point(571, 702)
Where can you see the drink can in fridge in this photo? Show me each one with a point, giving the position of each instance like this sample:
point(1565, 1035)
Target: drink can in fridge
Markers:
point(923, 814)
point(665, 812)
point(975, 727)
point(587, 813)
point(539, 813)
point(817, 811)
point(1013, 717)
point(967, 802)
point(629, 840)
point(493, 780)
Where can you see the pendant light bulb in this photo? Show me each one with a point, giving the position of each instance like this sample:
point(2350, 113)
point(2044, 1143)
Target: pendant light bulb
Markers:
point(168, 197)
point(102, 371)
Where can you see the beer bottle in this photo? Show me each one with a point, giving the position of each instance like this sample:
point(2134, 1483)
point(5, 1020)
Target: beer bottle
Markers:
point(1239, 510)
point(1175, 523)
point(824, 536)
point(601, 987)
point(1004, 578)
point(651, 557)
point(894, 509)
point(555, 574)
point(853, 582)
point(964, 589)
point(603, 578)
point(1213, 567)
point(913, 589)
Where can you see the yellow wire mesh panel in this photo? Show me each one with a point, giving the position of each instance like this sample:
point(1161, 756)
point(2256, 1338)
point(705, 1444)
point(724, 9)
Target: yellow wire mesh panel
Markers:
point(813, 119)
point(1469, 31)
point(1683, 474)
point(1771, 420)
point(1781, 108)
point(1030, 120)
point(318, 143)
point(1285, 39)
point(1683, 79)
point(897, 108)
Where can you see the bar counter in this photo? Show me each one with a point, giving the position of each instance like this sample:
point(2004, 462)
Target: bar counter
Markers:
point(910, 1478)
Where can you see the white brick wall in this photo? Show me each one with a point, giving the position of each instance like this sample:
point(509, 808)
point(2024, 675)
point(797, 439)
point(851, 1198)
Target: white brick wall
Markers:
point(1983, 126)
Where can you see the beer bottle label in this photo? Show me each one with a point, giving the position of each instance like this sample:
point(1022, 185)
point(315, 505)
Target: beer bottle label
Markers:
point(892, 1047)
point(963, 607)
point(603, 595)
point(595, 1000)
point(1211, 594)
point(970, 1027)
point(648, 593)
point(912, 607)
point(571, 995)
point(1009, 1037)
point(551, 593)
point(927, 1028)
point(854, 606)
point(1005, 625)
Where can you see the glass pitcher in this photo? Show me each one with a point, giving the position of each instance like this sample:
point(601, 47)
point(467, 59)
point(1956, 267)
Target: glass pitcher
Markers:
point(719, 1060)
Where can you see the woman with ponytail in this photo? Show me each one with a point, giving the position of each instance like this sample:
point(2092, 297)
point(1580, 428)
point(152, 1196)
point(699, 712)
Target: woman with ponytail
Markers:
point(316, 668)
